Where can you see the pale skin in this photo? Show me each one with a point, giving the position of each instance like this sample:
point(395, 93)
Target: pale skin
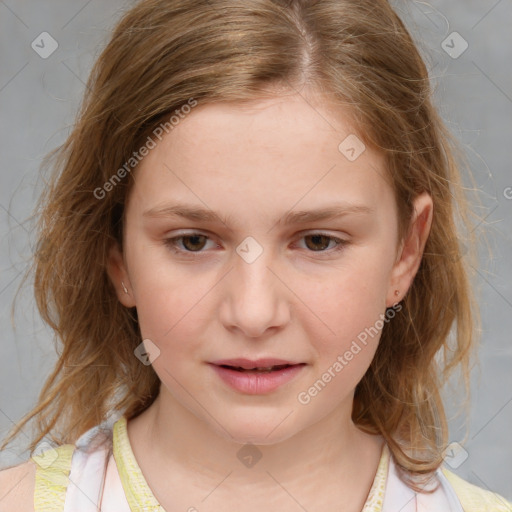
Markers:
point(252, 166)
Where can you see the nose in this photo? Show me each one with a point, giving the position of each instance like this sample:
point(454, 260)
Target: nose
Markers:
point(255, 300)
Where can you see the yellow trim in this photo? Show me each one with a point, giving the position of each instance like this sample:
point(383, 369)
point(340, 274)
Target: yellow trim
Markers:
point(137, 491)
point(52, 477)
point(474, 498)
point(375, 498)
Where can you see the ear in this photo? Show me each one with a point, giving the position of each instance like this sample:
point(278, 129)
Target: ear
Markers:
point(118, 274)
point(411, 249)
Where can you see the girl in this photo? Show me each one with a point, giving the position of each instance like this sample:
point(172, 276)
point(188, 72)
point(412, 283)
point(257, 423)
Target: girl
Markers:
point(249, 254)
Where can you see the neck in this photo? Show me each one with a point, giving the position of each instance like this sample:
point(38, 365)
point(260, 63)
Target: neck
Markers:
point(168, 439)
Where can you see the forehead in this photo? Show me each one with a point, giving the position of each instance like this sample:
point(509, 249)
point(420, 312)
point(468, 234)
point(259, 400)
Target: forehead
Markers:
point(270, 153)
point(288, 122)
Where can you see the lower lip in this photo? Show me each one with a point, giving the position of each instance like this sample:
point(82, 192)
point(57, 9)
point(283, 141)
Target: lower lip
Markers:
point(257, 383)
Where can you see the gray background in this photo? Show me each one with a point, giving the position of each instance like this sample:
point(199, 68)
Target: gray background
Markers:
point(38, 102)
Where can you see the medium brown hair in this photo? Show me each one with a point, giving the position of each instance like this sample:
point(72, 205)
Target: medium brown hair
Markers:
point(163, 54)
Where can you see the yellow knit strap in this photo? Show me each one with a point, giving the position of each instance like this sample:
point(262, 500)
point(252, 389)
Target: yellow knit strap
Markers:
point(136, 489)
point(476, 499)
point(52, 477)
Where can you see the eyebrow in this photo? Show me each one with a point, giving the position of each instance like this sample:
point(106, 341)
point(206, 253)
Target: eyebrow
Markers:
point(199, 214)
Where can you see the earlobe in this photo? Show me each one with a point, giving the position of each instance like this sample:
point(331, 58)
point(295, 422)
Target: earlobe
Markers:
point(117, 272)
point(411, 250)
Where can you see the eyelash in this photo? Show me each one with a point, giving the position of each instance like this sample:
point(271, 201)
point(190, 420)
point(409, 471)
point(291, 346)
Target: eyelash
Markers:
point(171, 243)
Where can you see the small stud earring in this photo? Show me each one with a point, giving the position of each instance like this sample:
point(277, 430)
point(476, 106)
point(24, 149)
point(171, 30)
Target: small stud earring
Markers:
point(397, 292)
point(124, 288)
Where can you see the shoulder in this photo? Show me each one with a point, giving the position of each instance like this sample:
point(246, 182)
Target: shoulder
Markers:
point(474, 498)
point(38, 483)
point(17, 485)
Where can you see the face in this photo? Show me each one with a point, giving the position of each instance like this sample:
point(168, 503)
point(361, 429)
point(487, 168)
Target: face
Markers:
point(258, 274)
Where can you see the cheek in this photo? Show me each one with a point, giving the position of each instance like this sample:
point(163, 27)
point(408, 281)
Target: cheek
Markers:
point(168, 313)
point(351, 299)
point(344, 350)
point(349, 318)
point(167, 298)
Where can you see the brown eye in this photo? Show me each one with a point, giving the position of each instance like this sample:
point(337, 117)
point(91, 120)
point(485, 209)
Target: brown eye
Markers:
point(318, 242)
point(194, 242)
point(190, 244)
